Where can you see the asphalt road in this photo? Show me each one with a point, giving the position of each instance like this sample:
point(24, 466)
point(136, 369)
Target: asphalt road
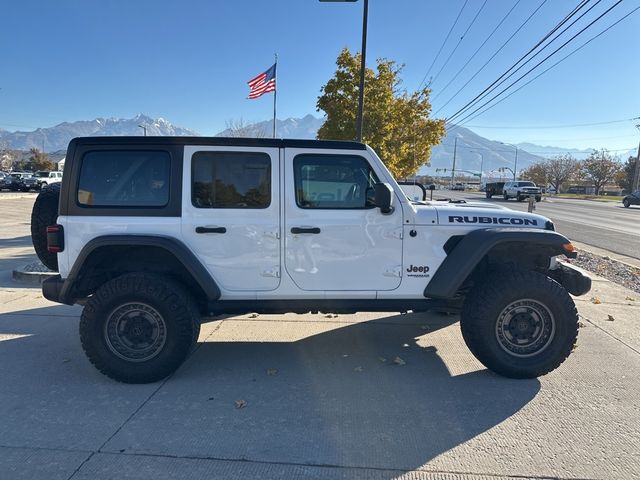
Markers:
point(607, 225)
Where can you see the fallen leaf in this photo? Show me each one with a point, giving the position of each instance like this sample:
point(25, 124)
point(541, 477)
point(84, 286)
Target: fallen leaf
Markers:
point(211, 398)
point(272, 371)
point(358, 369)
point(575, 345)
point(610, 318)
point(382, 359)
point(328, 315)
point(335, 315)
point(253, 315)
point(66, 360)
point(581, 325)
point(399, 361)
point(241, 403)
point(631, 299)
point(595, 300)
point(345, 355)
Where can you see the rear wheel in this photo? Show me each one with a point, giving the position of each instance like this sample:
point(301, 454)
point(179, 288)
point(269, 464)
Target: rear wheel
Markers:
point(45, 213)
point(520, 325)
point(139, 328)
point(538, 199)
point(505, 196)
point(626, 203)
point(519, 197)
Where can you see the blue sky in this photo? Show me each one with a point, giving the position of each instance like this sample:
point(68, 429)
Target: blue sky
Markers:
point(189, 62)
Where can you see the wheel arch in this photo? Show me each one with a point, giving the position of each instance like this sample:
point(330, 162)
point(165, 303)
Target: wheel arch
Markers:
point(107, 257)
point(484, 249)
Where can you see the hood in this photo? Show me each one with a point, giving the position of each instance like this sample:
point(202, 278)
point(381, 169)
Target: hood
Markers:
point(478, 214)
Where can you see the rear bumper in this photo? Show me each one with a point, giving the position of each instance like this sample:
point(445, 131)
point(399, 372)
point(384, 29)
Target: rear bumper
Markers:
point(52, 289)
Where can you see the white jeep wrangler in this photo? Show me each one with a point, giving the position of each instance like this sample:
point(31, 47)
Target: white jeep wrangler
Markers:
point(152, 234)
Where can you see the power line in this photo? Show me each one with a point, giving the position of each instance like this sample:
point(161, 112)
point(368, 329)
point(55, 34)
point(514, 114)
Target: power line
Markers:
point(477, 50)
point(525, 127)
point(443, 44)
point(493, 56)
point(552, 66)
point(542, 61)
point(459, 42)
point(500, 80)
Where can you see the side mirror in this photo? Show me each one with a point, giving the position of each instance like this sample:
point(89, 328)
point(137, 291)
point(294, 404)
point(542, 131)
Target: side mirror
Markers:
point(384, 197)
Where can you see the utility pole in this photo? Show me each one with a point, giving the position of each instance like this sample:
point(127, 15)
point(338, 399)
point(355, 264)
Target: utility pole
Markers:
point(453, 170)
point(636, 175)
point(363, 56)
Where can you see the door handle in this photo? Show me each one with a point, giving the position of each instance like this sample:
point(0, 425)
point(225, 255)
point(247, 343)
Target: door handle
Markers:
point(305, 230)
point(211, 230)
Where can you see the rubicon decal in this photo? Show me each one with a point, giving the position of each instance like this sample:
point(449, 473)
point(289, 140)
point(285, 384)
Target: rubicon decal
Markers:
point(492, 220)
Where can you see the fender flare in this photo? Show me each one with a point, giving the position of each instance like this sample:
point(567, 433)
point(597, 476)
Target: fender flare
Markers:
point(459, 264)
point(174, 246)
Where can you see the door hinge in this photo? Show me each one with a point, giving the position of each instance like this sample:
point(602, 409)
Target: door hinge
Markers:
point(271, 272)
point(395, 271)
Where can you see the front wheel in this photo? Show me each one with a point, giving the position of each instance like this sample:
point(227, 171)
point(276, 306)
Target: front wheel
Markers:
point(139, 328)
point(626, 203)
point(505, 196)
point(521, 324)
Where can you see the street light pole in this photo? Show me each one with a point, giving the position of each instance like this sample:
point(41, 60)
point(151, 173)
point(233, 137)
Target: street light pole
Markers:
point(515, 163)
point(363, 58)
point(144, 128)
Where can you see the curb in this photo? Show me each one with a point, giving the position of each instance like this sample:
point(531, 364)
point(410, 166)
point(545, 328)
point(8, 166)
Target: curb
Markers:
point(31, 278)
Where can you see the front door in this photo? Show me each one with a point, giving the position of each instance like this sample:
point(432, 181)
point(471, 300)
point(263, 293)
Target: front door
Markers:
point(335, 238)
point(231, 214)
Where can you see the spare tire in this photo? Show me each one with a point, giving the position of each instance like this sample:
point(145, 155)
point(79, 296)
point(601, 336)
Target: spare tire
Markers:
point(45, 213)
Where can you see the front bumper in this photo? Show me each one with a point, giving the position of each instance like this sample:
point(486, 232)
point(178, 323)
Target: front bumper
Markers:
point(572, 279)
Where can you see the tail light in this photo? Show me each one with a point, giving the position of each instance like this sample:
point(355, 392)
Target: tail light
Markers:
point(55, 238)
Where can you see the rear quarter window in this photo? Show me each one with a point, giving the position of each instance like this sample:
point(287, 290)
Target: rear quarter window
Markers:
point(121, 178)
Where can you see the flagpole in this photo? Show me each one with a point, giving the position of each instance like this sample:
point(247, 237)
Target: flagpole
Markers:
point(274, 96)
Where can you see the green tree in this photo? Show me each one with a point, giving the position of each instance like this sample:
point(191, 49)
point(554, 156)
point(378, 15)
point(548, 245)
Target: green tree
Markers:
point(396, 123)
point(600, 168)
point(39, 160)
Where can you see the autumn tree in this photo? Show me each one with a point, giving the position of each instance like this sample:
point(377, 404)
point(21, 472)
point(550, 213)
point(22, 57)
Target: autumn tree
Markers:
point(626, 174)
point(600, 168)
point(396, 122)
point(537, 173)
point(39, 160)
point(561, 169)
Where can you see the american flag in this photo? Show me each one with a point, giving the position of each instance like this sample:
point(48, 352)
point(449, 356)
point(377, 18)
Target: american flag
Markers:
point(263, 83)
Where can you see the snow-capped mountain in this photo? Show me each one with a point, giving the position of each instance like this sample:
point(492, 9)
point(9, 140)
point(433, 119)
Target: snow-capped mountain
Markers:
point(58, 137)
point(305, 127)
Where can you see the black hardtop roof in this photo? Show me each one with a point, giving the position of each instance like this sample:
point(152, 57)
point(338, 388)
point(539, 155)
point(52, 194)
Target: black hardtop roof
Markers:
point(222, 141)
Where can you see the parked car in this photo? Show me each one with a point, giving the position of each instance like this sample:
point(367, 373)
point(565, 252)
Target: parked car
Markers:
point(28, 182)
point(521, 190)
point(147, 264)
point(45, 178)
point(12, 181)
point(458, 186)
point(631, 199)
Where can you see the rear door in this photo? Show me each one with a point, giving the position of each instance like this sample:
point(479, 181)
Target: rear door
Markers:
point(231, 214)
point(335, 239)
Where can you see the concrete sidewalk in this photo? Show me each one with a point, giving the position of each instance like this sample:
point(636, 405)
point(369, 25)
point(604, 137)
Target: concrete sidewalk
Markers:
point(323, 400)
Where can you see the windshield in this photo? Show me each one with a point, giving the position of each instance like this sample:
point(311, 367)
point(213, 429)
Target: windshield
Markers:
point(42, 174)
point(526, 184)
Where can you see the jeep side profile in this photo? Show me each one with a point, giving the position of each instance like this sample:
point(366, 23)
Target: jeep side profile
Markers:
point(151, 234)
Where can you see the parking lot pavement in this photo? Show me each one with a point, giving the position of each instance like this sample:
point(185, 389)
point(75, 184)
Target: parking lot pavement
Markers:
point(323, 398)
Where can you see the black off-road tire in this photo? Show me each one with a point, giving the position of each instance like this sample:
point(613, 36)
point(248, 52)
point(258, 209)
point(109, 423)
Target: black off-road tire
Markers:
point(483, 316)
point(171, 306)
point(519, 197)
point(45, 213)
